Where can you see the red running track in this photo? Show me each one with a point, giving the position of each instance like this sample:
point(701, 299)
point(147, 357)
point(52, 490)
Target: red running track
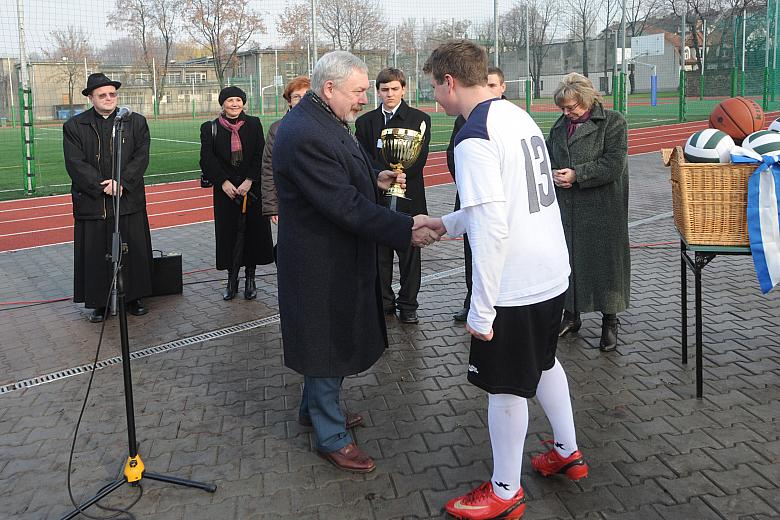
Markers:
point(40, 221)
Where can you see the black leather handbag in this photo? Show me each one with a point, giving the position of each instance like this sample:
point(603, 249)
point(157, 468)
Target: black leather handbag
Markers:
point(166, 273)
point(204, 182)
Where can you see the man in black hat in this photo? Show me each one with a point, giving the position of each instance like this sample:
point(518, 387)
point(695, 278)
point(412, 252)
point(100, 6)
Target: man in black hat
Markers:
point(88, 148)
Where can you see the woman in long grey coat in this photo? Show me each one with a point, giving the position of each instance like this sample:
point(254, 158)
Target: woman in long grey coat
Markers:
point(589, 155)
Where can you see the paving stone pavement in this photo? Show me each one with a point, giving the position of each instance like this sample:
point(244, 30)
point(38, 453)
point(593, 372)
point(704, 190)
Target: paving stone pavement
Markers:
point(224, 410)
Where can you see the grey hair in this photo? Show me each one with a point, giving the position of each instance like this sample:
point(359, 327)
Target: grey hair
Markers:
point(335, 66)
point(576, 86)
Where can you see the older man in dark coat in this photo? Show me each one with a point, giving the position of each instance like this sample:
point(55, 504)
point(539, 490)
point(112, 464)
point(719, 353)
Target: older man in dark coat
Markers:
point(330, 223)
point(88, 149)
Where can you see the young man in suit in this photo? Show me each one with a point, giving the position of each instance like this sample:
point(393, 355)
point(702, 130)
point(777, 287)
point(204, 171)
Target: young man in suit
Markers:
point(395, 113)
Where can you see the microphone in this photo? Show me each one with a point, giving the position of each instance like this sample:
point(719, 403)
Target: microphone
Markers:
point(123, 113)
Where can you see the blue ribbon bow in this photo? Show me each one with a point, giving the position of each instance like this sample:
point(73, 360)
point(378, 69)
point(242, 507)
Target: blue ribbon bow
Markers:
point(763, 215)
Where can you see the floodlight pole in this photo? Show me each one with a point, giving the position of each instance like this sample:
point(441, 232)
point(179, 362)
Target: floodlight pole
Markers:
point(495, 31)
point(25, 108)
point(703, 55)
point(624, 95)
point(314, 30)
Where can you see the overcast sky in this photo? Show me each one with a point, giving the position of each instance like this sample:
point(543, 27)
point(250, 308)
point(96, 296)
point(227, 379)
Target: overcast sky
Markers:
point(41, 17)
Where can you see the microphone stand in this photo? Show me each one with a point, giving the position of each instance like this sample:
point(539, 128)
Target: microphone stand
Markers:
point(134, 469)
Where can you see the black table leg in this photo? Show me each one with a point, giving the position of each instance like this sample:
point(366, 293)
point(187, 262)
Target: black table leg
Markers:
point(697, 277)
point(683, 304)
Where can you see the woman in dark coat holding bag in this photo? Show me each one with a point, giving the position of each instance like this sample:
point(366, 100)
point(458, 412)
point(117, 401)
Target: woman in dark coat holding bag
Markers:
point(232, 162)
point(589, 155)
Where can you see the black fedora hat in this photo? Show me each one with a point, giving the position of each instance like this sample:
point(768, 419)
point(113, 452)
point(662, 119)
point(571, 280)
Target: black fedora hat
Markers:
point(97, 80)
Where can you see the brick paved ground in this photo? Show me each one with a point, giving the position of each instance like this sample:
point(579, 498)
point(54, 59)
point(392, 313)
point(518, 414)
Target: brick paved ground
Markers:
point(225, 410)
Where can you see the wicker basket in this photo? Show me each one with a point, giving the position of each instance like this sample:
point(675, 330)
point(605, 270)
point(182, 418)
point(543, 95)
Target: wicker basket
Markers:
point(709, 200)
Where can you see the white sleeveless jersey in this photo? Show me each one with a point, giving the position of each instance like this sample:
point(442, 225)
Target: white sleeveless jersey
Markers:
point(500, 156)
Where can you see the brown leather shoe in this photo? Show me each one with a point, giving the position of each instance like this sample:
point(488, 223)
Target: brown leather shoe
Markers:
point(352, 420)
point(350, 458)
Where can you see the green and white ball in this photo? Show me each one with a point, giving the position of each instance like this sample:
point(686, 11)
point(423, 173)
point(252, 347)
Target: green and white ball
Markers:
point(763, 142)
point(775, 125)
point(709, 146)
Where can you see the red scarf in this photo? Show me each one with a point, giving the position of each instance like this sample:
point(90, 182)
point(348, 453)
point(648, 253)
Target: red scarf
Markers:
point(236, 154)
point(572, 125)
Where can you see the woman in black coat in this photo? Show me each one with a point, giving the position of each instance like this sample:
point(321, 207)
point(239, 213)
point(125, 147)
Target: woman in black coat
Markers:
point(231, 160)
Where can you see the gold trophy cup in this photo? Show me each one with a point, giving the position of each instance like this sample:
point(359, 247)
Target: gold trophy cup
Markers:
point(400, 149)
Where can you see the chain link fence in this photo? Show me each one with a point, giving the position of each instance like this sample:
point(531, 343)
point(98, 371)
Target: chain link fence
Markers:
point(667, 63)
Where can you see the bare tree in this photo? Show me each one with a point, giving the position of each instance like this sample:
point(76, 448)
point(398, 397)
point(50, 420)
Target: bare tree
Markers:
point(541, 14)
point(294, 24)
point(511, 28)
point(352, 24)
point(639, 13)
point(583, 17)
point(71, 48)
point(447, 30)
point(349, 24)
point(410, 36)
point(152, 24)
point(223, 27)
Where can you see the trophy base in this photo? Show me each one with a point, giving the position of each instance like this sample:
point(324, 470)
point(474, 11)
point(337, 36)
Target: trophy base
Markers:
point(397, 196)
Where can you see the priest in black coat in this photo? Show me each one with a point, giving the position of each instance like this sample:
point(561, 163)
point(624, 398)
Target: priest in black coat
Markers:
point(88, 149)
point(395, 113)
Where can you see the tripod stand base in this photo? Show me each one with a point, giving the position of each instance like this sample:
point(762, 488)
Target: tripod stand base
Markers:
point(137, 470)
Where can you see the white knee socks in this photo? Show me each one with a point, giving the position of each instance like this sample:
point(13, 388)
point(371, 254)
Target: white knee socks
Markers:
point(508, 424)
point(553, 395)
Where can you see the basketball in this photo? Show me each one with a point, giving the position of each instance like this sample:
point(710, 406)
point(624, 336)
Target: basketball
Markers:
point(763, 142)
point(738, 117)
point(709, 145)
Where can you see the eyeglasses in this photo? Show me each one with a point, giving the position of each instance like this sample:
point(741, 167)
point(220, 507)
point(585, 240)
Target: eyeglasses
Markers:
point(296, 97)
point(570, 108)
point(105, 95)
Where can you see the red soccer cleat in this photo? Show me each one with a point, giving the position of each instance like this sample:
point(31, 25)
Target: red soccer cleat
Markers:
point(551, 463)
point(483, 504)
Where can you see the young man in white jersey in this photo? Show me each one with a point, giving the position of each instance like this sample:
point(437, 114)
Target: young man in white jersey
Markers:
point(520, 274)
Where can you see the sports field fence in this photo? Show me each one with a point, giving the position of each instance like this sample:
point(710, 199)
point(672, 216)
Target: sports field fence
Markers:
point(668, 63)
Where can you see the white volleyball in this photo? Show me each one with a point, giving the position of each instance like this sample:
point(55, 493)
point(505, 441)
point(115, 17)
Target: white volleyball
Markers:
point(709, 145)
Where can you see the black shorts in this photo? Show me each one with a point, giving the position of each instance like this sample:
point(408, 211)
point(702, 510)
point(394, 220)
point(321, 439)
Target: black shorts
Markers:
point(523, 346)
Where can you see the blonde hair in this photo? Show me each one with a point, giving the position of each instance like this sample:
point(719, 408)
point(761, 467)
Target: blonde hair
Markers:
point(577, 86)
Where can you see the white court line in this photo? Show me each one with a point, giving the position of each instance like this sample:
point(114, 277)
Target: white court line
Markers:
point(173, 140)
point(70, 213)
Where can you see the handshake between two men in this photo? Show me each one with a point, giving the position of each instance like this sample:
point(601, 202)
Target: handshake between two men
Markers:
point(425, 230)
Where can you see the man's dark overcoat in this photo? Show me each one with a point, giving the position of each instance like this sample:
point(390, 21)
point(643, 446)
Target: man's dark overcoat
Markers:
point(87, 149)
point(368, 129)
point(595, 210)
point(329, 226)
point(216, 167)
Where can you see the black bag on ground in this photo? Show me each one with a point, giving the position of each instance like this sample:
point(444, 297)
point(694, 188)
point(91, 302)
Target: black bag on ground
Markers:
point(166, 273)
point(204, 182)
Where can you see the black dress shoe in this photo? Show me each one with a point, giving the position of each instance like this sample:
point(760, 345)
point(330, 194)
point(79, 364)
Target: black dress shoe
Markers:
point(408, 317)
point(461, 315)
point(136, 308)
point(96, 316)
point(609, 333)
point(571, 322)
